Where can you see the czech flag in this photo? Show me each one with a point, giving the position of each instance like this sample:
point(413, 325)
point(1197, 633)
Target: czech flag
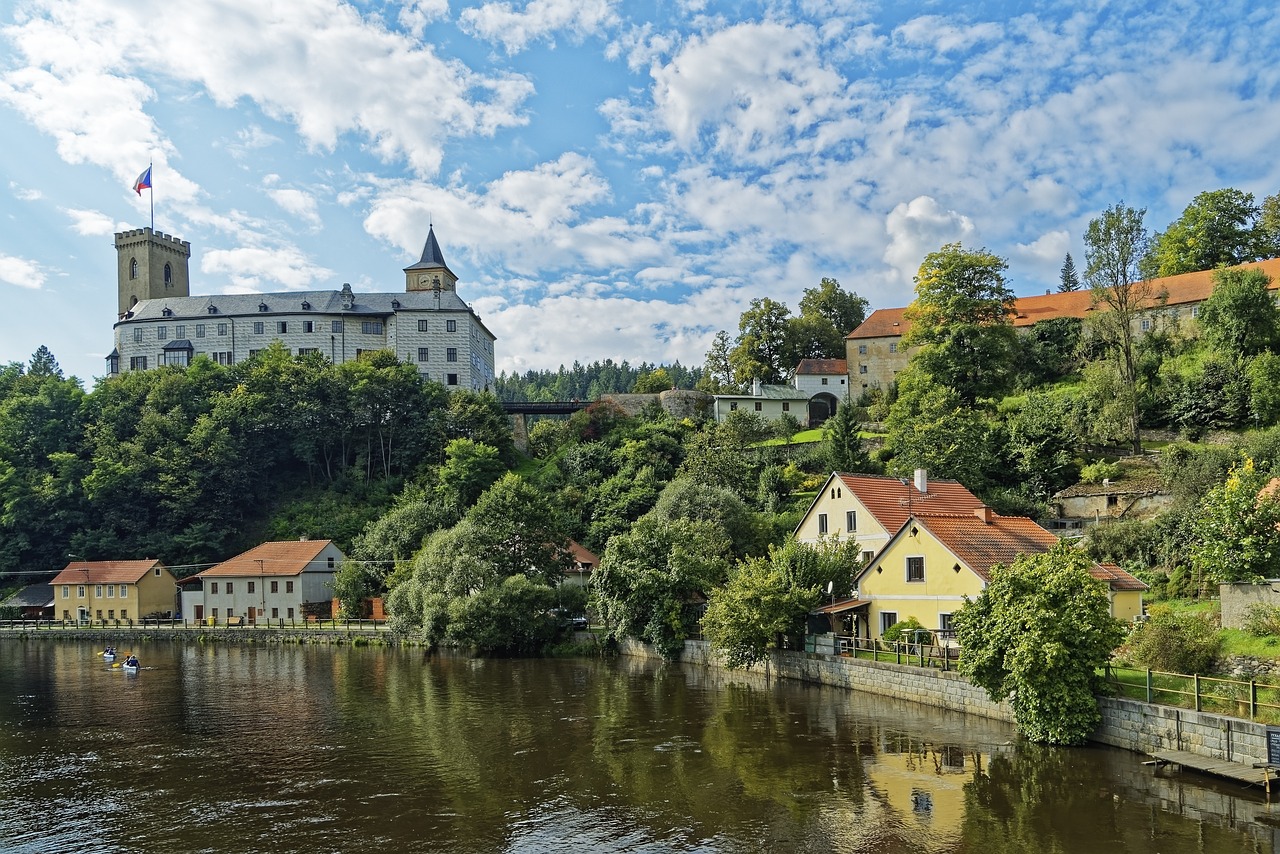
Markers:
point(143, 182)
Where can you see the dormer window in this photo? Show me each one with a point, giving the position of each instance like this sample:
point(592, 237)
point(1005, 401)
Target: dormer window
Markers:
point(306, 306)
point(213, 309)
point(395, 305)
point(262, 306)
point(168, 312)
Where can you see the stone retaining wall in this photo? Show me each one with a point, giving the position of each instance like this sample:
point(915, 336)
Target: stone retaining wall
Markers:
point(1130, 724)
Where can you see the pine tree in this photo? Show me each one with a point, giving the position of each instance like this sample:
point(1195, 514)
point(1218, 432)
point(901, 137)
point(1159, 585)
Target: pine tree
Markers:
point(1070, 279)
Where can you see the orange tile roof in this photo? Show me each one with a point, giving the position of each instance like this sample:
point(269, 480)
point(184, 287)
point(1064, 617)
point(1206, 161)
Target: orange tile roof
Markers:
point(105, 571)
point(1187, 288)
point(581, 556)
point(982, 545)
point(887, 499)
point(823, 366)
point(289, 557)
point(1116, 577)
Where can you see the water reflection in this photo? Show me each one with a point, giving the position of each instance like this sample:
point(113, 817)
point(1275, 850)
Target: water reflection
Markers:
point(271, 748)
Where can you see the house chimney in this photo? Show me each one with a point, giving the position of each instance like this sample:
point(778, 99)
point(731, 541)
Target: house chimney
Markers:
point(983, 513)
point(755, 387)
point(922, 481)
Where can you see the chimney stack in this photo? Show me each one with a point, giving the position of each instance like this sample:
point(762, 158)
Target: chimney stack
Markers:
point(983, 513)
point(922, 481)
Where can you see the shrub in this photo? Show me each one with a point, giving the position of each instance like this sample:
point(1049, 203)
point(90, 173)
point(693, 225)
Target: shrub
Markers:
point(1176, 642)
point(903, 630)
point(1262, 620)
point(1099, 471)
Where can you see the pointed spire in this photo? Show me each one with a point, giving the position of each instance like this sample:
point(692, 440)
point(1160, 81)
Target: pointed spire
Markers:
point(431, 254)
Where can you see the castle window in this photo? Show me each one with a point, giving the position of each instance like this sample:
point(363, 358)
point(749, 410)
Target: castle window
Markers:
point(222, 329)
point(113, 363)
point(166, 312)
point(395, 305)
point(133, 268)
point(308, 326)
point(162, 332)
point(199, 330)
point(282, 327)
point(451, 326)
point(451, 354)
point(137, 335)
point(168, 276)
point(371, 327)
point(451, 379)
point(862, 369)
point(137, 363)
point(893, 347)
point(306, 306)
point(862, 349)
point(180, 331)
point(786, 406)
point(824, 380)
point(422, 354)
point(422, 326)
point(213, 309)
point(759, 406)
point(262, 306)
point(335, 326)
point(258, 327)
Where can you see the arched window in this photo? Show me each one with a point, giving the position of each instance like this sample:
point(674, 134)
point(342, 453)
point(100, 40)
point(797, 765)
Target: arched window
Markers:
point(133, 268)
point(168, 276)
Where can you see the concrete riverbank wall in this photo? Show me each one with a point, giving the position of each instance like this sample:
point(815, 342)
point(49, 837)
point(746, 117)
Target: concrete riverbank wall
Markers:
point(1130, 724)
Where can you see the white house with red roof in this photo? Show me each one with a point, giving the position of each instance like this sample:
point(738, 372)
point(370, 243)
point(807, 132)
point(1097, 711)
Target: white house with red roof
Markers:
point(109, 590)
point(288, 580)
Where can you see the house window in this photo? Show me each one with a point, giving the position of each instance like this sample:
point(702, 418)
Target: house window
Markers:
point(124, 614)
point(862, 369)
point(137, 363)
point(275, 613)
point(371, 327)
point(259, 327)
point(422, 326)
point(290, 613)
point(79, 591)
point(308, 326)
point(331, 563)
point(944, 622)
point(893, 347)
point(335, 326)
point(111, 614)
point(288, 587)
point(111, 591)
point(824, 380)
point(1195, 311)
point(759, 406)
point(451, 379)
point(97, 591)
point(822, 523)
point(887, 619)
point(162, 333)
point(851, 520)
point(862, 349)
point(66, 591)
point(215, 615)
point(228, 588)
point(1113, 500)
point(199, 330)
point(1146, 325)
point(213, 587)
point(275, 587)
point(451, 326)
point(282, 327)
point(786, 406)
point(733, 407)
point(222, 329)
point(124, 590)
point(422, 354)
point(252, 585)
point(867, 557)
point(451, 354)
point(915, 569)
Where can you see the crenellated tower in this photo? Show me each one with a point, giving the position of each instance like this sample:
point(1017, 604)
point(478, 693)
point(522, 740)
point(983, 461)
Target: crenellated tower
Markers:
point(150, 266)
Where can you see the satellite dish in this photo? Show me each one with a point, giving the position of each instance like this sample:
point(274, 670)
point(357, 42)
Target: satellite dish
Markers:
point(830, 586)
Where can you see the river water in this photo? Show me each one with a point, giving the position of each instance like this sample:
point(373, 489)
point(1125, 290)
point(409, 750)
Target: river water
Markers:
point(333, 749)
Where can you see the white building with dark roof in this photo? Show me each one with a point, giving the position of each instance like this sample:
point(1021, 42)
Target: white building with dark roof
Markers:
point(160, 323)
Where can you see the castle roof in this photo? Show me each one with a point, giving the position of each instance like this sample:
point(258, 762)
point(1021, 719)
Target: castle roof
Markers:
point(432, 258)
point(219, 306)
point(822, 366)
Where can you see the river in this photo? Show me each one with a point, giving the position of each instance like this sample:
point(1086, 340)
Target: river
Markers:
point(275, 748)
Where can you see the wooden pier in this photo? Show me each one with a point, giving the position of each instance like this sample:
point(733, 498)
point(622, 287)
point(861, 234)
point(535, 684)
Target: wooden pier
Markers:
point(1260, 774)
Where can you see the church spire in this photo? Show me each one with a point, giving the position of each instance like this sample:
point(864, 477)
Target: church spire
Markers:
point(431, 272)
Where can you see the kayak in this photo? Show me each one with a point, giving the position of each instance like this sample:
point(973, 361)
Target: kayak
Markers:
point(129, 668)
point(108, 656)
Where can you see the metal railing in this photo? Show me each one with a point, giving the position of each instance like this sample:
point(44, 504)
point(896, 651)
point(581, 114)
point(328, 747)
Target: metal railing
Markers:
point(937, 651)
point(1256, 701)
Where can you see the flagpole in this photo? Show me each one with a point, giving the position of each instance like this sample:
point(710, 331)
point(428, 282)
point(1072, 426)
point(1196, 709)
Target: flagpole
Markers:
point(152, 194)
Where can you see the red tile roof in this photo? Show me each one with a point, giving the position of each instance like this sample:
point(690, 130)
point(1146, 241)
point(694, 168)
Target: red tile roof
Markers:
point(823, 366)
point(1187, 288)
point(289, 557)
point(105, 572)
point(982, 545)
point(891, 502)
point(1116, 577)
point(582, 557)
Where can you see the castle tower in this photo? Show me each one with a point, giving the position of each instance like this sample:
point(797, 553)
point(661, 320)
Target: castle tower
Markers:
point(430, 273)
point(150, 266)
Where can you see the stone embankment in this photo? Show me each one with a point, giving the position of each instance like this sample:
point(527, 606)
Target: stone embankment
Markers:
point(1130, 724)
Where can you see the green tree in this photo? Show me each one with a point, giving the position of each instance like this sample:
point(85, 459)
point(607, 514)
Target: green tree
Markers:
point(961, 322)
point(842, 434)
point(1264, 388)
point(1233, 532)
point(651, 578)
point(1037, 635)
point(1176, 642)
point(1115, 243)
point(697, 501)
point(761, 347)
point(827, 314)
point(767, 598)
point(469, 469)
point(653, 382)
point(929, 427)
point(1219, 228)
point(717, 373)
point(1240, 316)
point(1068, 278)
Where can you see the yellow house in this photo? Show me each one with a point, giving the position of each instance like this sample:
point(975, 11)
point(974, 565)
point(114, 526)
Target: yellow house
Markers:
point(113, 590)
point(935, 560)
point(870, 508)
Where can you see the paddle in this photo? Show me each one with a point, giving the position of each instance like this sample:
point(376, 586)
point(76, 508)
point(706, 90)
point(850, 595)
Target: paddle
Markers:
point(120, 663)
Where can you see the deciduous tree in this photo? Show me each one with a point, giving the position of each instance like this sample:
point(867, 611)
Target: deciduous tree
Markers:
point(1233, 531)
point(1037, 636)
point(1241, 316)
point(1219, 228)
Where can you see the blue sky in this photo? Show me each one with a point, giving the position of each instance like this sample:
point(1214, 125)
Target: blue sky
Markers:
point(608, 179)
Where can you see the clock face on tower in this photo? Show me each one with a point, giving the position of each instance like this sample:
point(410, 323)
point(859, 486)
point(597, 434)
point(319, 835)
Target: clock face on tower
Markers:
point(424, 281)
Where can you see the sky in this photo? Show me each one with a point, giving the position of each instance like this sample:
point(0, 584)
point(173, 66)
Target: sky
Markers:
point(608, 179)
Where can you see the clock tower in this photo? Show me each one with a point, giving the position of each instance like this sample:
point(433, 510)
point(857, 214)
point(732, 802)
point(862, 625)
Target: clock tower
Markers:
point(431, 273)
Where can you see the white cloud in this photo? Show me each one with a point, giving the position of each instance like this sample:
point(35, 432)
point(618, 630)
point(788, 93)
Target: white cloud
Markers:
point(90, 222)
point(416, 15)
point(261, 269)
point(26, 194)
point(21, 272)
point(540, 19)
point(919, 227)
point(297, 203)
